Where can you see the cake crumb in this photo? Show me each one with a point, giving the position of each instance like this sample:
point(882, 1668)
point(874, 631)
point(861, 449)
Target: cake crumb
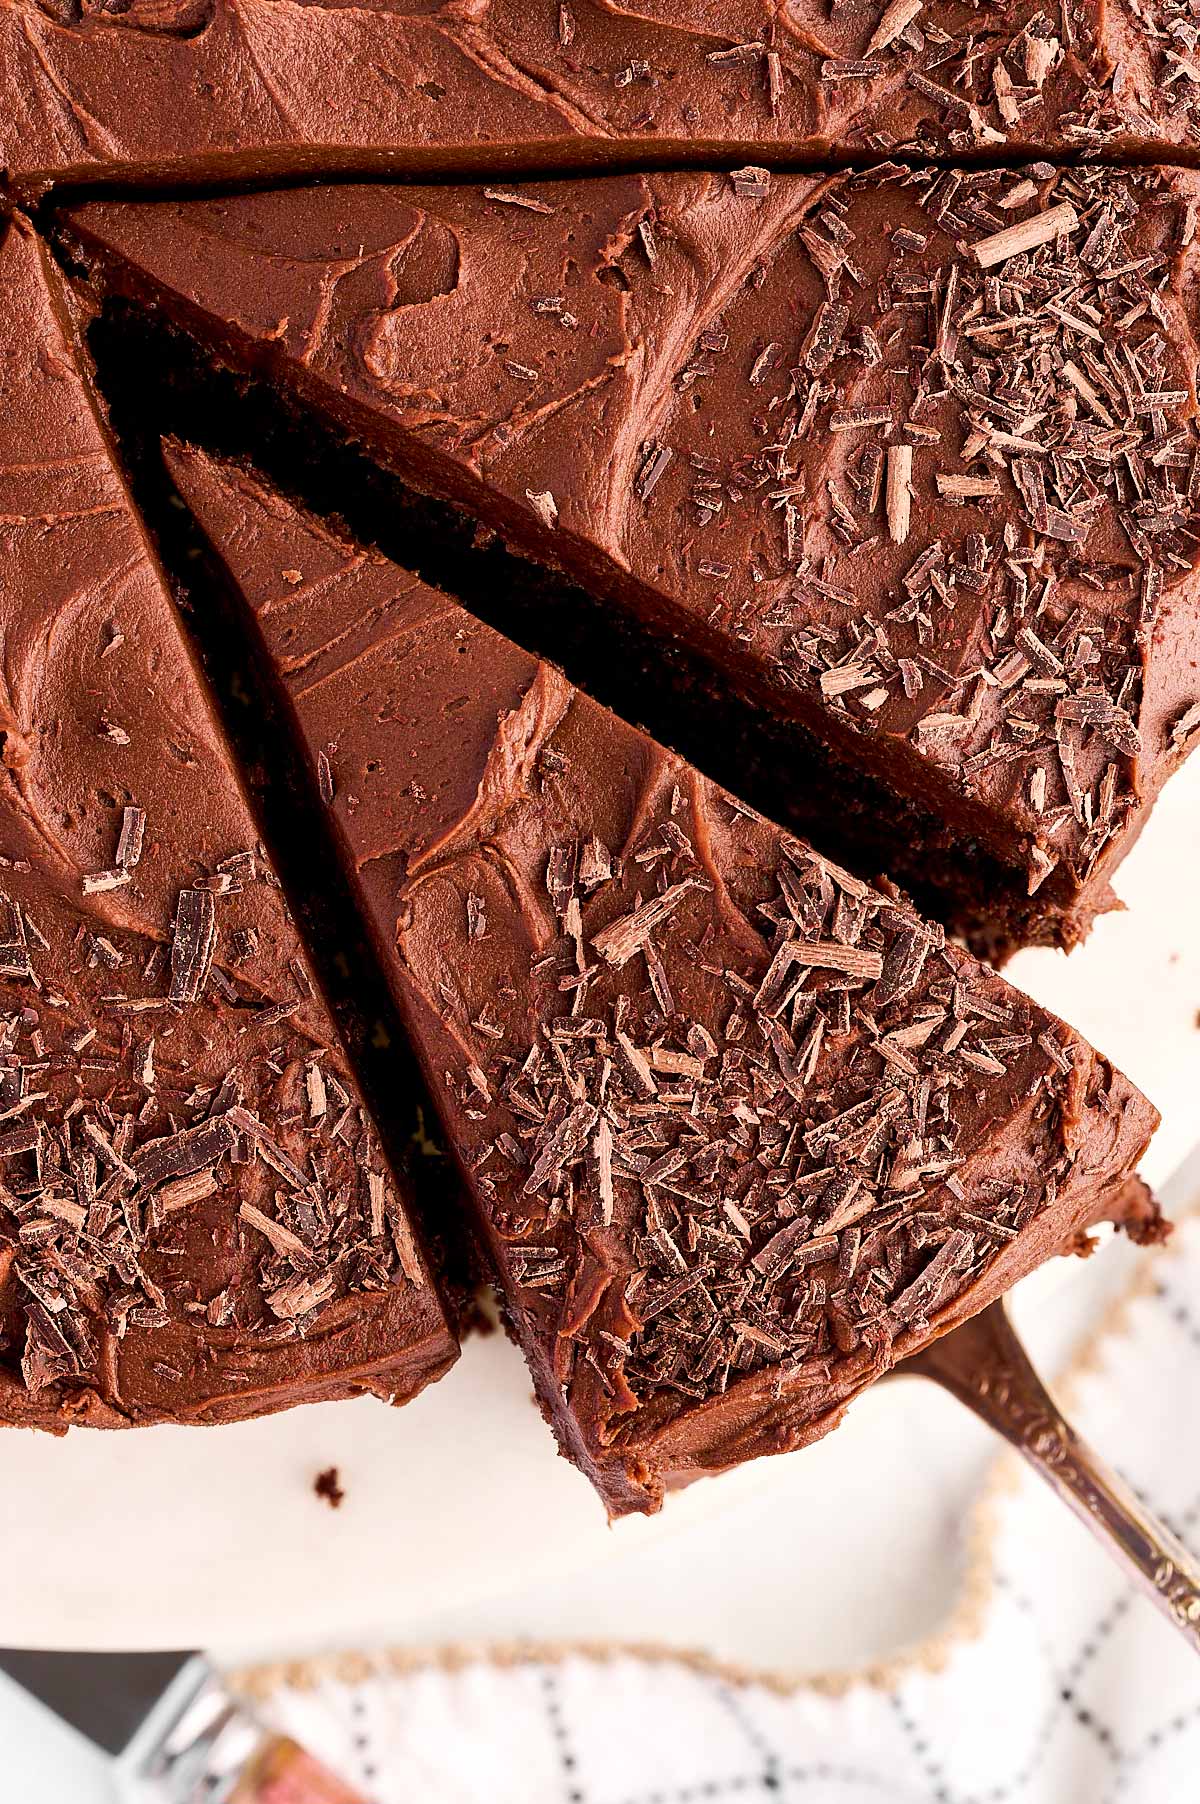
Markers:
point(328, 1485)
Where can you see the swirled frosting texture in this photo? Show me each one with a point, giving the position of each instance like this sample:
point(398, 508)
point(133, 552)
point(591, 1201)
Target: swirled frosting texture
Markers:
point(163, 89)
point(910, 456)
point(196, 1218)
point(740, 1130)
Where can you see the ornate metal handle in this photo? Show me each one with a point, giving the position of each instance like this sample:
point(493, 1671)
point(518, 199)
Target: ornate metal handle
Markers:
point(984, 1365)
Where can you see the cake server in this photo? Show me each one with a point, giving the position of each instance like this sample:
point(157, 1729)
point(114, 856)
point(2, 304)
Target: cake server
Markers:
point(984, 1365)
point(175, 1733)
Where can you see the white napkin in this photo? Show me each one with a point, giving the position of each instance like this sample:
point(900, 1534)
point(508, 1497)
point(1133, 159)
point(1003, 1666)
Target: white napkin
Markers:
point(1074, 1691)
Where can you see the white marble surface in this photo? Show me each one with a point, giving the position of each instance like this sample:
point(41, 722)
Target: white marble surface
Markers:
point(44, 1761)
point(459, 1522)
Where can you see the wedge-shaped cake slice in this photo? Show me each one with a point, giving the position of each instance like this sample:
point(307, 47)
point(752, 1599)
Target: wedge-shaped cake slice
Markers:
point(197, 1221)
point(740, 1130)
point(911, 458)
point(160, 90)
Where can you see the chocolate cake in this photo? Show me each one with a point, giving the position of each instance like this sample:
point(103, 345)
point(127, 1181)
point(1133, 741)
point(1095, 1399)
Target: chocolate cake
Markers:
point(910, 457)
point(197, 1219)
point(220, 90)
point(740, 1130)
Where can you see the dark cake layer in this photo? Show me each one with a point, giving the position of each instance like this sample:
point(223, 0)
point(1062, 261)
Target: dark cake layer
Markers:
point(740, 1130)
point(158, 380)
point(163, 90)
point(197, 1220)
point(911, 458)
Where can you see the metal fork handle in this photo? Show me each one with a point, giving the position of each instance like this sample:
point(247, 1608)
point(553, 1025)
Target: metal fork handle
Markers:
point(984, 1365)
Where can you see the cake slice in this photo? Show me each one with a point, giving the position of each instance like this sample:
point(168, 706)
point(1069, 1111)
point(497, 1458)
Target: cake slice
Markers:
point(197, 1220)
point(168, 90)
point(909, 457)
point(740, 1130)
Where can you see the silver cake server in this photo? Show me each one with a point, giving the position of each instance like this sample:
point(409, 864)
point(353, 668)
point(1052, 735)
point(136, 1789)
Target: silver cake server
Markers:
point(984, 1365)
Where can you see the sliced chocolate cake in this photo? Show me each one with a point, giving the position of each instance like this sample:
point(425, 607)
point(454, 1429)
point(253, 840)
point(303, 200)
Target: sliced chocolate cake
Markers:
point(197, 1220)
point(163, 90)
point(740, 1130)
point(910, 457)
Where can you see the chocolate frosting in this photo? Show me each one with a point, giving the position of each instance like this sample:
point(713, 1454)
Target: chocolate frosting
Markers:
point(163, 90)
point(197, 1221)
point(740, 1130)
point(912, 457)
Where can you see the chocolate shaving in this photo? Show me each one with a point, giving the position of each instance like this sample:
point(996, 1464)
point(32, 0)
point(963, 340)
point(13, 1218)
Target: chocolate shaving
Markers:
point(618, 942)
point(193, 943)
